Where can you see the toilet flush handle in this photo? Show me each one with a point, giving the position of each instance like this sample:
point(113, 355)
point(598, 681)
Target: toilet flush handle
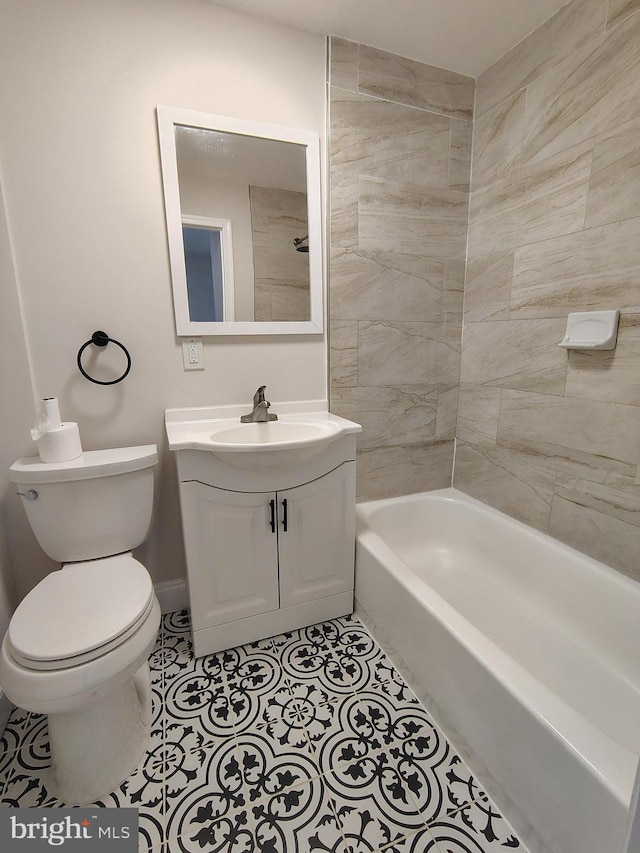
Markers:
point(29, 495)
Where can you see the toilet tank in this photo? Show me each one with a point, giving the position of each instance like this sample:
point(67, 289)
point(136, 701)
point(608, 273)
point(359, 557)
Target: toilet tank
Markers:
point(94, 506)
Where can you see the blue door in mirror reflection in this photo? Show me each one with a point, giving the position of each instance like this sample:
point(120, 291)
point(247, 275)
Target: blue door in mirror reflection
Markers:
point(203, 263)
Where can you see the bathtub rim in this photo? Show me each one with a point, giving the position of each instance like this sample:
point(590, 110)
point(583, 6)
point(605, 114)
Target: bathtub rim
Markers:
point(365, 511)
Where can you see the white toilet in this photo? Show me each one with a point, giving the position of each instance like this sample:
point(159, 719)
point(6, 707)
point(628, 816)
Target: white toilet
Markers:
point(78, 643)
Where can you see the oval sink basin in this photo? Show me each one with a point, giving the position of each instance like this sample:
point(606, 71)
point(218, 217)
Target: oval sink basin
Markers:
point(281, 433)
point(272, 443)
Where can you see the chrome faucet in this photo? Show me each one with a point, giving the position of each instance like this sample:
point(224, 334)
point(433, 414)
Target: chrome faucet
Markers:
point(260, 413)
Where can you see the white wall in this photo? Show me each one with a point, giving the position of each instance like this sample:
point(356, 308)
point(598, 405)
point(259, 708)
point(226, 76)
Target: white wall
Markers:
point(78, 148)
point(17, 407)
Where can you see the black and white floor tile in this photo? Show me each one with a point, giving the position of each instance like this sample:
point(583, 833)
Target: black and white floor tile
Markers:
point(309, 741)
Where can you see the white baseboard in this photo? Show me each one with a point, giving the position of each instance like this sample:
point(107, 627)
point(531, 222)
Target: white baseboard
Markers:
point(172, 595)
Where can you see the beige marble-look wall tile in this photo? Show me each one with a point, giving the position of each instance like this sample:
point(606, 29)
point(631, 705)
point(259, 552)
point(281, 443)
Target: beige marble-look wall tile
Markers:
point(618, 503)
point(590, 270)
point(573, 26)
point(538, 202)
point(595, 533)
point(389, 140)
point(416, 84)
point(281, 291)
point(281, 301)
point(343, 63)
point(609, 374)
point(385, 285)
point(453, 292)
point(393, 471)
point(344, 208)
point(478, 412)
point(278, 216)
point(447, 413)
point(402, 217)
point(454, 273)
point(497, 140)
point(620, 10)
point(343, 353)
point(551, 424)
point(589, 466)
point(614, 189)
point(507, 478)
point(460, 155)
point(414, 410)
point(452, 305)
point(407, 353)
point(591, 92)
point(566, 461)
point(488, 287)
point(519, 354)
point(400, 156)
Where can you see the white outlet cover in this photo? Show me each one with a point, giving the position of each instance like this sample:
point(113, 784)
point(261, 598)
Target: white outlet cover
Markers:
point(191, 346)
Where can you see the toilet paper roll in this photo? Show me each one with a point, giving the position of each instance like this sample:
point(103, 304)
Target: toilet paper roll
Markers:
point(49, 415)
point(60, 445)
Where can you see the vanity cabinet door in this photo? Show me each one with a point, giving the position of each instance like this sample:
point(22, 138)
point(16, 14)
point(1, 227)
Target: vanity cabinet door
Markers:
point(316, 536)
point(232, 556)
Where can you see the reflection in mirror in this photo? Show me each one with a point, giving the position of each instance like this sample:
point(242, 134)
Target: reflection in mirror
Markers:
point(208, 261)
point(246, 199)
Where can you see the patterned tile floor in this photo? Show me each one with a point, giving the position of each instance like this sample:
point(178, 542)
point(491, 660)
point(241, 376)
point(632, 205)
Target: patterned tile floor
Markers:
point(309, 741)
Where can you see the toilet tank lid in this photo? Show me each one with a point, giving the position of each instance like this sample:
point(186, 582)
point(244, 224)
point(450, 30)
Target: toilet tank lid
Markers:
point(91, 464)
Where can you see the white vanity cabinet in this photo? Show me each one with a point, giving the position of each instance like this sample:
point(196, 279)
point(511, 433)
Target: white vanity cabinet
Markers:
point(232, 557)
point(316, 536)
point(267, 550)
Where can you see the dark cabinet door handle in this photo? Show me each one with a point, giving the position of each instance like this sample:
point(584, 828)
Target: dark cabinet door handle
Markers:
point(285, 517)
point(272, 522)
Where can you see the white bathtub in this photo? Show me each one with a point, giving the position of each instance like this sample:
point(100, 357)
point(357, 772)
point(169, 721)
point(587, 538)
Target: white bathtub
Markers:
point(526, 651)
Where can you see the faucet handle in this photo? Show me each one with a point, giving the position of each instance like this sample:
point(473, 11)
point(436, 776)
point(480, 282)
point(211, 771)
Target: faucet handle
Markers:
point(258, 397)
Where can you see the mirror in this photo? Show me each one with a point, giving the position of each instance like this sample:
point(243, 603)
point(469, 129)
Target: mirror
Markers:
point(242, 203)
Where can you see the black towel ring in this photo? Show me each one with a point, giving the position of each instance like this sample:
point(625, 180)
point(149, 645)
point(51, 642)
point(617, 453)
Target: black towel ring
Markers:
point(101, 339)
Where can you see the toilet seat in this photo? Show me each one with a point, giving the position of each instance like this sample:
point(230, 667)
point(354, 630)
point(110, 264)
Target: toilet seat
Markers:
point(80, 613)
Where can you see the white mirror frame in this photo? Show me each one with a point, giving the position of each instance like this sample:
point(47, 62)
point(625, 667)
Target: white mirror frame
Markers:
point(168, 118)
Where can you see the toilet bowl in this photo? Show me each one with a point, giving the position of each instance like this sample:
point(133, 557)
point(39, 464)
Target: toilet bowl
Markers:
point(77, 645)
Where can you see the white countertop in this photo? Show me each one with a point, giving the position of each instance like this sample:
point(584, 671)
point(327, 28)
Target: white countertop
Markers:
point(192, 428)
